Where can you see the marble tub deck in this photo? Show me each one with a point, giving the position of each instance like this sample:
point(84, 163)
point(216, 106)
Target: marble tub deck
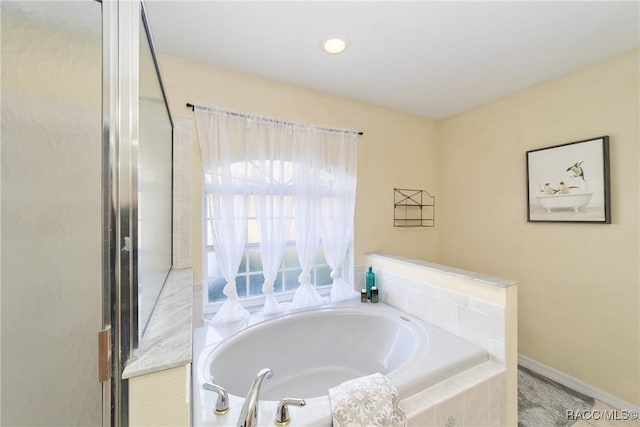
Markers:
point(167, 340)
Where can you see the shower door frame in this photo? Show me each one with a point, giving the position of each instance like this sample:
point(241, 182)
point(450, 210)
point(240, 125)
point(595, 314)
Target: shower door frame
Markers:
point(120, 80)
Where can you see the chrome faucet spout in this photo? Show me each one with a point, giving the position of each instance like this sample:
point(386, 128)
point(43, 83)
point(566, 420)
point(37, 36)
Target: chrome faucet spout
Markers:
point(249, 412)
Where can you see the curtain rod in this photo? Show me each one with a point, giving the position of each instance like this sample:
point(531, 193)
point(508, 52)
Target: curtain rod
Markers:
point(267, 119)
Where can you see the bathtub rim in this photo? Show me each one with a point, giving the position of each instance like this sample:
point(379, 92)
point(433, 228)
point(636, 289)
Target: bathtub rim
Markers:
point(412, 325)
point(406, 373)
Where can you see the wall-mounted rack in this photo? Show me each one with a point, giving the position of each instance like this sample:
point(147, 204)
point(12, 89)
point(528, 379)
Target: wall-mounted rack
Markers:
point(413, 208)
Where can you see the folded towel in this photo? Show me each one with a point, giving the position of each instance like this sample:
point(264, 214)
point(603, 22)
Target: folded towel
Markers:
point(366, 401)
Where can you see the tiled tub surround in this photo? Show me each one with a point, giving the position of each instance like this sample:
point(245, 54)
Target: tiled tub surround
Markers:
point(478, 308)
point(474, 398)
point(414, 355)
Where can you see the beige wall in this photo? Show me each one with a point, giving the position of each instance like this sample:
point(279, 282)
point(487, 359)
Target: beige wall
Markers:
point(160, 399)
point(51, 216)
point(397, 149)
point(579, 296)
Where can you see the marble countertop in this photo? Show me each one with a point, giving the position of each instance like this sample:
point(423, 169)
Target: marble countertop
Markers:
point(167, 340)
point(478, 277)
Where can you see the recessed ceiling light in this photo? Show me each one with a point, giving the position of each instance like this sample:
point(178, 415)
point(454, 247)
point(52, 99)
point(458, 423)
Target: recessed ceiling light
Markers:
point(334, 45)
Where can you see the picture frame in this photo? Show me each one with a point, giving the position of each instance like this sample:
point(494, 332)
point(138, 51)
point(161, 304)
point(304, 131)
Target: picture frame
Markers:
point(569, 182)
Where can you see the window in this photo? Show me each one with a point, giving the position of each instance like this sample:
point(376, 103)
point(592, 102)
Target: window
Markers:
point(249, 278)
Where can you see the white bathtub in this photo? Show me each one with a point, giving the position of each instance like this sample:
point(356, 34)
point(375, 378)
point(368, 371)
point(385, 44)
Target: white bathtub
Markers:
point(311, 351)
point(560, 201)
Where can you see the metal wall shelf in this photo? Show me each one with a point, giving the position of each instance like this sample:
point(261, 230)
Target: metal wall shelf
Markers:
point(413, 208)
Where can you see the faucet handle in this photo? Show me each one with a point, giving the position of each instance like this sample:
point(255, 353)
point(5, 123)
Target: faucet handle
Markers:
point(222, 404)
point(282, 413)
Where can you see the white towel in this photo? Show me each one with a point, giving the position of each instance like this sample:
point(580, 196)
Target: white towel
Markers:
point(365, 402)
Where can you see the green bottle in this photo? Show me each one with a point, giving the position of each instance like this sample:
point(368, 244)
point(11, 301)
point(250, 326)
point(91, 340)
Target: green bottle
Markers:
point(370, 281)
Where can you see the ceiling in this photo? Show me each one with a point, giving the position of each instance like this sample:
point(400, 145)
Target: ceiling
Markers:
point(433, 59)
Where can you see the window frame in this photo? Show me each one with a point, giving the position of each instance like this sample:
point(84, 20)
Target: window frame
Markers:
point(254, 302)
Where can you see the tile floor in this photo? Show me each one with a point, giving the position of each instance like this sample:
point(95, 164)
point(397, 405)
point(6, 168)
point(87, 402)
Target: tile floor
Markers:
point(601, 406)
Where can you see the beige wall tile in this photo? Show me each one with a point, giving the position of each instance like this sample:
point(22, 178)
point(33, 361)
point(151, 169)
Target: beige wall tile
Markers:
point(497, 400)
point(424, 419)
point(451, 412)
point(476, 405)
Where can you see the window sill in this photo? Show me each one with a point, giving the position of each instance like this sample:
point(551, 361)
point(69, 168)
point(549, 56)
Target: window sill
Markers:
point(255, 304)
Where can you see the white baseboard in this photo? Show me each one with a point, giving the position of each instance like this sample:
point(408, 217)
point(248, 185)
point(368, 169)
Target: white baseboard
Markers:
point(575, 384)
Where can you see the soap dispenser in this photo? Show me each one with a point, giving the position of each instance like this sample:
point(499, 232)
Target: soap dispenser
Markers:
point(370, 281)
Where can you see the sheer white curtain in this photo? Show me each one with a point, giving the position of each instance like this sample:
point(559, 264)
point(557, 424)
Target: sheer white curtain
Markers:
point(337, 205)
point(308, 188)
point(289, 171)
point(273, 201)
point(223, 142)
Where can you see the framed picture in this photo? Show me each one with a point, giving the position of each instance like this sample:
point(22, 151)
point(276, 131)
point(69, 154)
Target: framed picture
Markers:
point(569, 182)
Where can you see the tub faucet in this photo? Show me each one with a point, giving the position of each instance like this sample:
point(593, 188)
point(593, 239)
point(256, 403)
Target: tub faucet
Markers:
point(249, 412)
